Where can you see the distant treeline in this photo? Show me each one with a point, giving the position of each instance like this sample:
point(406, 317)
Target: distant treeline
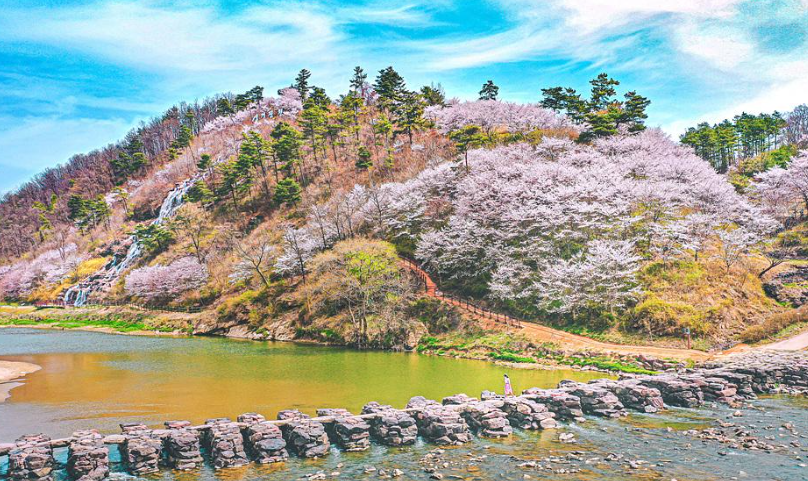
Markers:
point(86, 176)
point(746, 136)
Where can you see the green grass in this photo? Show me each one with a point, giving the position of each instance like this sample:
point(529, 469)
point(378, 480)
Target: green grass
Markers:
point(72, 323)
point(511, 357)
point(607, 364)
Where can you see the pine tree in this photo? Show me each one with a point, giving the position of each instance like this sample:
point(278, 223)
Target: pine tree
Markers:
point(433, 95)
point(467, 138)
point(489, 91)
point(409, 114)
point(287, 191)
point(363, 158)
point(390, 87)
point(302, 83)
point(358, 81)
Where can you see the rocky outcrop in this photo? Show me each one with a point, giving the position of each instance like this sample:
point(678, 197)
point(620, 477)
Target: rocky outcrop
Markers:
point(564, 405)
point(439, 424)
point(595, 399)
point(87, 457)
point(789, 287)
point(633, 394)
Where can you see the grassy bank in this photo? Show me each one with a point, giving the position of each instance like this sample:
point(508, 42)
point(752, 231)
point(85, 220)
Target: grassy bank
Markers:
point(115, 319)
point(514, 348)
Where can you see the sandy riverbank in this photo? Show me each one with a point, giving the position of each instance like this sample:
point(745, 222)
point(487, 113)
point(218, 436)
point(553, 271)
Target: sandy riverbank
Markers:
point(11, 371)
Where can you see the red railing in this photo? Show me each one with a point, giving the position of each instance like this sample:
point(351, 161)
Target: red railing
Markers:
point(430, 288)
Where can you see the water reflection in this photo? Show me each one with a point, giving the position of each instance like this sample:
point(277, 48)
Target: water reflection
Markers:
point(99, 380)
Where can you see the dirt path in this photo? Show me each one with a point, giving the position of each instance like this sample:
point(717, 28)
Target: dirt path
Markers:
point(796, 343)
point(539, 333)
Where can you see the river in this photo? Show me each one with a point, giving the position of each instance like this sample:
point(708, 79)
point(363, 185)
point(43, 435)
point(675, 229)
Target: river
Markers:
point(99, 380)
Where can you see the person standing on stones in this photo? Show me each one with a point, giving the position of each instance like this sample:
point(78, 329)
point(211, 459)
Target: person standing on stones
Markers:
point(508, 388)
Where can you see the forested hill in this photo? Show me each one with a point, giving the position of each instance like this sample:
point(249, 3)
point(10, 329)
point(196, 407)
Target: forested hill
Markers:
point(288, 214)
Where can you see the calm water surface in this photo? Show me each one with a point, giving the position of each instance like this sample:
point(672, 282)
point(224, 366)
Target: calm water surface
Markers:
point(98, 380)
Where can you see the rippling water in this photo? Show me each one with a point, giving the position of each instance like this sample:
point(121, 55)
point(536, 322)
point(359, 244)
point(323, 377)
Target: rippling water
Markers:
point(168, 374)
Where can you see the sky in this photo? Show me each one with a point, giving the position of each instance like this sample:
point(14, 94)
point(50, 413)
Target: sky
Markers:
point(76, 75)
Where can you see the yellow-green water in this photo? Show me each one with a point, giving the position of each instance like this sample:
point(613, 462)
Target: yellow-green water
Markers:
point(95, 380)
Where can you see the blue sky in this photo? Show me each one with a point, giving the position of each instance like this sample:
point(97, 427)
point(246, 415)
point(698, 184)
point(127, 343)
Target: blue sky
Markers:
point(76, 75)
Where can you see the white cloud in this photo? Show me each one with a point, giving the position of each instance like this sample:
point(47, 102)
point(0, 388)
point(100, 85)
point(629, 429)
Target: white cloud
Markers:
point(723, 48)
point(30, 145)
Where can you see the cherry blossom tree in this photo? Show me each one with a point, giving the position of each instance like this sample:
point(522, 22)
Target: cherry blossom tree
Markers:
point(166, 282)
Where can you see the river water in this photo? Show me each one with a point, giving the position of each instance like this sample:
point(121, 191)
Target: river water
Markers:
point(99, 380)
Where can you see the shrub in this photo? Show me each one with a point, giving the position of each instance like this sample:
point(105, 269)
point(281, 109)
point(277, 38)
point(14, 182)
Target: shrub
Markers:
point(774, 324)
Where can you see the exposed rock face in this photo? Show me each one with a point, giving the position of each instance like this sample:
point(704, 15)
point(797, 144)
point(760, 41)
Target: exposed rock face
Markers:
point(182, 446)
point(307, 438)
point(264, 441)
point(487, 418)
point(88, 457)
point(392, 427)
point(225, 443)
point(141, 450)
point(524, 413)
point(789, 287)
point(27, 462)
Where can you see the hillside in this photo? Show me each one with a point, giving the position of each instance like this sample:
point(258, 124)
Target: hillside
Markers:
point(287, 217)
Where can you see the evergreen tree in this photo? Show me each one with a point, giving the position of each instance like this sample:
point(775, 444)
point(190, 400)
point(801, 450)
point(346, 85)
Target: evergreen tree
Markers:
point(302, 83)
point(363, 158)
point(358, 81)
point(286, 146)
point(410, 114)
point(390, 87)
point(467, 138)
point(287, 191)
point(224, 107)
point(433, 95)
point(489, 91)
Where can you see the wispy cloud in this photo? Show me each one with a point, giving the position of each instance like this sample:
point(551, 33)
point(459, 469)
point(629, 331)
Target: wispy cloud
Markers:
point(76, 62)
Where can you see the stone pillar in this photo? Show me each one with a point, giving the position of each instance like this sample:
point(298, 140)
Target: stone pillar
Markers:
point(444, 426)
point(524, 413)
point(351, 433)
point(634, 395)
point(676, 391)
point(263, 441)
point(88, 457)
point(307, 438)
point(487, 418)
point(226, 444)
point(141, 450)
point(29, 462)
point(564, 405)
point(595, 399)
point(391, 427)
point(182, 446)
